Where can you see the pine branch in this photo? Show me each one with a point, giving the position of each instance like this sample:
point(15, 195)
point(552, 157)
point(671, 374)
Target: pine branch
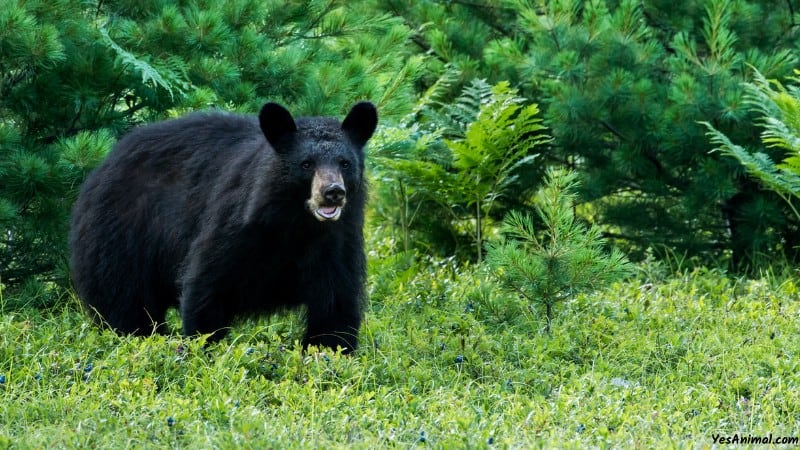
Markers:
point(16, 77)
point(480, 7)
point(613, 130)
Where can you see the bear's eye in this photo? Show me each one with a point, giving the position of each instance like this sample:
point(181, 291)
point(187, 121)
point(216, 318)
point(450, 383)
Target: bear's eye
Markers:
point(344, 164)
point(306, 165)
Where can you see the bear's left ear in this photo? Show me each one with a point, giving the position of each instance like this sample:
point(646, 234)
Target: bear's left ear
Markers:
point(276, 122)
point(360, 122)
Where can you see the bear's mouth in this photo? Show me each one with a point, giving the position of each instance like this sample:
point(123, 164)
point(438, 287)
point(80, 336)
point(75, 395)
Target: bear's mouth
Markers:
point(328, 213)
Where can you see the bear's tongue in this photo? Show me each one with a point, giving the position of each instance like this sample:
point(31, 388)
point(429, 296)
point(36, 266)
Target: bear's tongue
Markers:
point(328, 211)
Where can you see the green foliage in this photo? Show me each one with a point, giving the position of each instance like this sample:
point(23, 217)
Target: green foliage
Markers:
point(779, 111)
point(623, 86)
point(562, 260)
point(664, 365)
point(454, 163)
point(626, 116)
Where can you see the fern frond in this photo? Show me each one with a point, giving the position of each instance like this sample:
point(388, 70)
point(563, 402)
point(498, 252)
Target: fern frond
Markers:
point(464, 110)
point(782, 179)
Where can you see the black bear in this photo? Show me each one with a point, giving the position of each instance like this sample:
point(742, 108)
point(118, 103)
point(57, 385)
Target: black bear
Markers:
point(225, 216)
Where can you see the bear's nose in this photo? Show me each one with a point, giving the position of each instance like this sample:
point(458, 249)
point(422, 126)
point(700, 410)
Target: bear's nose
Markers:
point(334, 193)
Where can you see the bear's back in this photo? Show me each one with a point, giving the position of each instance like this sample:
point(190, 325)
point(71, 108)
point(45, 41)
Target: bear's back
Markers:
point(175, 160)
point(197, 145)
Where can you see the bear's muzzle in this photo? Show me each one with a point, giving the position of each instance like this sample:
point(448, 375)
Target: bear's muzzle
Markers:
point(328, 194)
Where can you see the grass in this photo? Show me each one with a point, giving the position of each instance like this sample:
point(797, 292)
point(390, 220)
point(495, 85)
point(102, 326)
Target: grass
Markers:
point(447, 362)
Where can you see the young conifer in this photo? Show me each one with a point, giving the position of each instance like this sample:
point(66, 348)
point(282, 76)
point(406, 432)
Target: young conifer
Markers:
point(561, 259)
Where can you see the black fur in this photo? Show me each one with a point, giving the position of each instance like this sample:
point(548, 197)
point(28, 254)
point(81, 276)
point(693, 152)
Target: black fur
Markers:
point(206, 214)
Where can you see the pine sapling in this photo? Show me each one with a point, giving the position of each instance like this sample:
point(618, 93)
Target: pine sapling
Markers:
point(562, 259)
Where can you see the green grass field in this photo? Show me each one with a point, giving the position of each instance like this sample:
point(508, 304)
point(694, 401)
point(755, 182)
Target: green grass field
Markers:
point(447, 362)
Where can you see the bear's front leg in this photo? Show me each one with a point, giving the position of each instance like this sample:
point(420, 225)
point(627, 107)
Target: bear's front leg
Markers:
point(334, 326)
point(334, 286)
point(334, 293)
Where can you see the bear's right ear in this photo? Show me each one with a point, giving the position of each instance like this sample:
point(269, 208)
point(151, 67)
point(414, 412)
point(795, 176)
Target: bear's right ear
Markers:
point(276, 122)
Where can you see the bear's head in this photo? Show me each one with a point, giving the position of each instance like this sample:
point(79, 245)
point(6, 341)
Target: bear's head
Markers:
point(322, 154)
